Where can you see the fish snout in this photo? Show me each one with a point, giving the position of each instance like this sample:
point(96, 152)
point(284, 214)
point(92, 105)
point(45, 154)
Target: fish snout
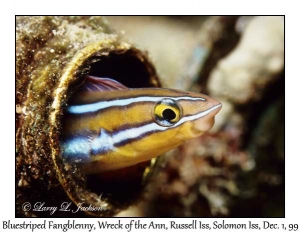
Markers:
point(207, 120)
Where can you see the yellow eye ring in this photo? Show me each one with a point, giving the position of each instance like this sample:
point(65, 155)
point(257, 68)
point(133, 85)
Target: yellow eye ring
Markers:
point(167, 112)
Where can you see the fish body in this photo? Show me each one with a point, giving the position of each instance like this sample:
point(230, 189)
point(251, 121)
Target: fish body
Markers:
point(120, 127)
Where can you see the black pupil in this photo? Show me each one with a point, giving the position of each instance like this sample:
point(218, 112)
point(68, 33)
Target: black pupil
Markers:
point(169, 114)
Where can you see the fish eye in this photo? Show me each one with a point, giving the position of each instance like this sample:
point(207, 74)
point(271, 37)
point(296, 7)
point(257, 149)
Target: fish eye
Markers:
point(167, 112)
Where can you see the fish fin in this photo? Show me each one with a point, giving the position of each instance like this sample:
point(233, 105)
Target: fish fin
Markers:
point(97, 84)
point(92, 85)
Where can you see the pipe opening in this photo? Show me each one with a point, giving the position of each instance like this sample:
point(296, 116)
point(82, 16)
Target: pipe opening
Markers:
point(125, 67)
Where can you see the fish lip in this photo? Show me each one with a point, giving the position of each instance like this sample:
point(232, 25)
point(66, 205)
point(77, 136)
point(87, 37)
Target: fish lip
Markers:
point(215, 109)
point(217, 106)
point(207, 122)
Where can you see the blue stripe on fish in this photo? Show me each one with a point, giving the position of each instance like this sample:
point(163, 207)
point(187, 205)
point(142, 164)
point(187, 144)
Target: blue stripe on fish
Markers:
point(81, 147)
point(93, 107)
point(77, 149)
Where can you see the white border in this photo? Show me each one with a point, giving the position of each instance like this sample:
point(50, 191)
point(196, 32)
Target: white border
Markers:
point(10, 8)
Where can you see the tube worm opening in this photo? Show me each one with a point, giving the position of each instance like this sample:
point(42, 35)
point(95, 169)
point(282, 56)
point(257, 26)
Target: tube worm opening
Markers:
point(131, 68)
point(124, 67)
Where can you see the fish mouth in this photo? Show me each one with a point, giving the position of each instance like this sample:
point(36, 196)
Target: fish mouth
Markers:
point(215, 109)
point(206, 122)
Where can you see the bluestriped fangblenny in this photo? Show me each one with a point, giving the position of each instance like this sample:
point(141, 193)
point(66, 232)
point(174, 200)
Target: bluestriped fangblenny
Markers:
point(108, 126)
